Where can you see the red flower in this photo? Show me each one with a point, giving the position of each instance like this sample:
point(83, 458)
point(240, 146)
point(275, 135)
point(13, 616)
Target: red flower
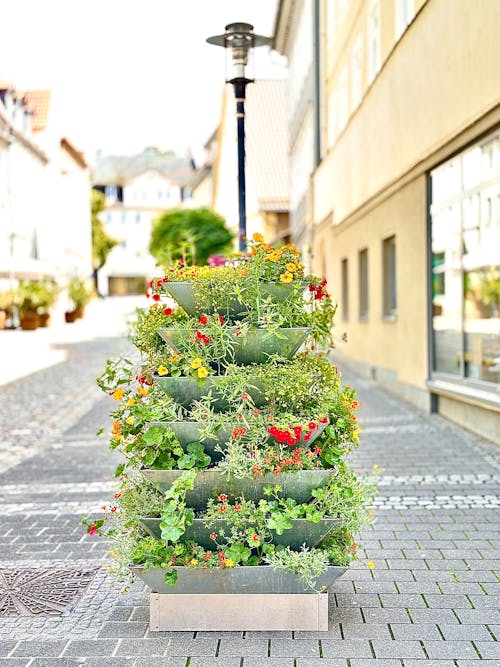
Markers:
point(203, 319)
point(273, 430)
point(317, 451)
point(297, 430)
point(156, 297)
point(244, 396)
point(237, 507)
point(199, 334)
point(92, 530)
point(213, 536)
point(222, 497)
point(255, 538)
point(324, 420)
point(312, 287)
point(291, 442)
point(207, 555)
point(206, 340)
point(307, 436)
point(168, 311)
point(221, 319)
point(222, 508)
point(312, 426)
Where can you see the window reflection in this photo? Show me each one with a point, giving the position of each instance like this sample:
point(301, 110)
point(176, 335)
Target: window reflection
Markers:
point(466, 264)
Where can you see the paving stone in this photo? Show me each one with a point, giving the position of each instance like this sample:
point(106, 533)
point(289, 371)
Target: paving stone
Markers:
point(85, 647)
point(447, 601)
point(333, 632)
point(406, 600)
point(348, 648)
point(143, 647)
point(397, 649)
point(450, 649)
point(295, 648)
point(121, 629)
point(269, 662)
point(15, 662)
point(365, 631)
point(373, 662)
point(489, 650)
point(316, 662)
point(432, 663)
point(165, 662)
point(495, 630)
point(465, 632)
point(415, 631)
point(192, 647)
point(390, 615)
point(58, 662)
point(477, 616)
point(40, 647)
point(437, 616)
point(6, 646)
point(485, 601)
point(215, 662)
point(243, 647)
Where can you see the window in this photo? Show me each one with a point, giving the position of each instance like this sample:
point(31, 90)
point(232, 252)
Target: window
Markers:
point(343, 99)
point(344, 267)
point(356, 64)
point(465, 240)
point(138, 218)
point(389, 276)
point(405, 11)
point(111, 194)
point(363, 284)
point(374, 39)
point(332, 118)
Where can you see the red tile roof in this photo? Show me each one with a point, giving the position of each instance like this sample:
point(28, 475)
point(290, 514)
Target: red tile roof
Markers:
point(38, 103)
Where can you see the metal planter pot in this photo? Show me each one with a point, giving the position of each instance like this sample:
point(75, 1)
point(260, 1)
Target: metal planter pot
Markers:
point(185, 390)
point(183, 293)
point(301, 532)
point(258, 579)
point(187, 432)
point(211, 483)
point(255, 347)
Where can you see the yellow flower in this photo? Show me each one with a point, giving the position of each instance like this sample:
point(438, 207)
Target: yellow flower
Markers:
point(130, 420)
point(118, 394)
point(258, 238)
point(194, 561)
point(202, 372)
point(162, 370)
point(196, 363)
point(229, 562)
point(286, 277)
point(291, 267)
point(273, 256)
point(131, 402)
point(142, 392)
point(370, 564)
point(174, 357)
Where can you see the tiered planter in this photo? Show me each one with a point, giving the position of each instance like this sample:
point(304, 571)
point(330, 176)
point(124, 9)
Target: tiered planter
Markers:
point(242, 597)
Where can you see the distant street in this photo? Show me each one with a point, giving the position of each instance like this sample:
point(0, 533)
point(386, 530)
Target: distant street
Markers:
point(431, 598)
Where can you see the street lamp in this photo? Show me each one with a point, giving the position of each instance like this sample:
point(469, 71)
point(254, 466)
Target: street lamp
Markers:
point(240, 38)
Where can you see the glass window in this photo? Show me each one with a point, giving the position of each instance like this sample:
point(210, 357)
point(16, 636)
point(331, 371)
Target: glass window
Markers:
point(363, 283)
point(343, 99)
point(405, 11)
point(356, 65)
point(332, 118)
point(389, 276)
point(345, 289)
point(466, 265)
point(374, 39)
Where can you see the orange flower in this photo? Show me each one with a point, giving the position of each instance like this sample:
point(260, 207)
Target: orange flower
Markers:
point(118, 394)
point(142, 392)
point(258, 238)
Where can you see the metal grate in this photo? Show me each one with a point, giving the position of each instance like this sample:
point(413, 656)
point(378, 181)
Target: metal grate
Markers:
point(36, 592)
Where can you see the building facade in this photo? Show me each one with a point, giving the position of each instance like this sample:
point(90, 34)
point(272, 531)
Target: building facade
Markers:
point(405, 216)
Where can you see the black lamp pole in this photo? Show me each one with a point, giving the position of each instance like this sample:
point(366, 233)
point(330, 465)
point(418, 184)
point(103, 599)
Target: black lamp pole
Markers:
point(240, 38)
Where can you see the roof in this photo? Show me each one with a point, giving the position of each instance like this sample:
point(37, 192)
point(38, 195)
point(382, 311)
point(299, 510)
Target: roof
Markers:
point(75, 154)
point(38, 103)
point(118, 169)
point(267, 143)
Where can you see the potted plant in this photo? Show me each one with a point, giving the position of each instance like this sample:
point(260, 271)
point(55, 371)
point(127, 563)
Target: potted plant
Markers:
point(80, 294)
point(235, 480)
point(48, 291)
point(27, 297)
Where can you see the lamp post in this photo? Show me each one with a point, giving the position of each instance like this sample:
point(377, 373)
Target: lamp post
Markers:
point(240, 38)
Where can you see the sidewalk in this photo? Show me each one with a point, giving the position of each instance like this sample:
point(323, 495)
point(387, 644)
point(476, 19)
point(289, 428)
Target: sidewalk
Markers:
point(431, 599)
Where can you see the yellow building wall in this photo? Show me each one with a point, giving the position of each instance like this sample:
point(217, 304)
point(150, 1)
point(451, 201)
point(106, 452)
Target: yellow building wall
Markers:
point(440, 77)
point(401, 344)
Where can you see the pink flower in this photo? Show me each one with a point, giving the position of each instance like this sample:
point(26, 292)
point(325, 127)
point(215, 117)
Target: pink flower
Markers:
point(92, 530)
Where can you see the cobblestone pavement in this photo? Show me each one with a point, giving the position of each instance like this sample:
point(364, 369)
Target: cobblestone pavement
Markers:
point(431, 600)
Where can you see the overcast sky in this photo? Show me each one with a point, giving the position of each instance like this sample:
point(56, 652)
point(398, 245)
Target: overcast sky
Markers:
point(130, 73)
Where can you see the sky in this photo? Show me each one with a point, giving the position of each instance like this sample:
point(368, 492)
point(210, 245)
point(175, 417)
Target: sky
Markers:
point(127, 74)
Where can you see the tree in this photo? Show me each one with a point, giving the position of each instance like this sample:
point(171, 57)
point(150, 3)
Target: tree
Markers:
point(189, 234)
point(101, 242)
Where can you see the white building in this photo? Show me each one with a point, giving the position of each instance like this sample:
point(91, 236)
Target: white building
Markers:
point(130, 211)
point(45, 229)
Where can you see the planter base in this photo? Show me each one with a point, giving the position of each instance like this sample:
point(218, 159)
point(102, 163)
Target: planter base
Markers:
point(273, 611)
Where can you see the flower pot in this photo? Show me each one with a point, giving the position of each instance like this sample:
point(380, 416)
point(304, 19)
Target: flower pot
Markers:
point(79, 312)
point(3, 318)
point(190, 431)
point(184, 294)
point(29, 321)
point(44, 319)
point(210, 483)
point(70, 316)
point(301, 532)
point(254, 347)
point(242, 579)
point(185, 390)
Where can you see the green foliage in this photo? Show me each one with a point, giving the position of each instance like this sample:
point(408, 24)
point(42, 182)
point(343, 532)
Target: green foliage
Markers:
point(79, 292)
point(189, 234)
point(102, 243)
